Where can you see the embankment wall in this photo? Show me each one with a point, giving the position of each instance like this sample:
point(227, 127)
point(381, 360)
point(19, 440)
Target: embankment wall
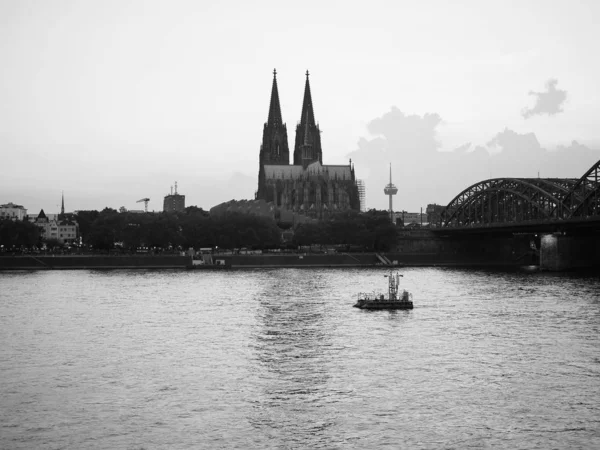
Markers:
point(301, 260)
point(49, 262)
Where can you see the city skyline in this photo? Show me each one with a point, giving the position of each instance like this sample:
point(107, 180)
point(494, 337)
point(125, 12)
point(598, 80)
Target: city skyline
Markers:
point(112, 102)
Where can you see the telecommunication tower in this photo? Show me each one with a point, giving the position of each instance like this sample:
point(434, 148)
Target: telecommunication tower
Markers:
point(390, 190)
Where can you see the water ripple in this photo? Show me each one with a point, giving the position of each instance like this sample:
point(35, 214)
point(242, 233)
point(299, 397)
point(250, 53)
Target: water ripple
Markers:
point(279, 359)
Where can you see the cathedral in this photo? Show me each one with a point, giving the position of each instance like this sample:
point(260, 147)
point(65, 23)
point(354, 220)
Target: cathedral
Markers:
point(306, 187)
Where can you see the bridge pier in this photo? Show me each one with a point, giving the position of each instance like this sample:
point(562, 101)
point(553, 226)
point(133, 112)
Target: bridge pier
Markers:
point(563, 252)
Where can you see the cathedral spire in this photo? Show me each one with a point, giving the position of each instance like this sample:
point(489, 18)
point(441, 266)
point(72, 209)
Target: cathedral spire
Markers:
point(274, 107)
point(62, 207)
point(306, 141)
point(308, 135)
point(308, 116)
point(274, 149)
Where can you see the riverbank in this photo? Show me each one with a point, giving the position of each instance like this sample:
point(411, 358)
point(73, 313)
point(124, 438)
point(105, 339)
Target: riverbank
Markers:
point(234, 261)
point(71, 262)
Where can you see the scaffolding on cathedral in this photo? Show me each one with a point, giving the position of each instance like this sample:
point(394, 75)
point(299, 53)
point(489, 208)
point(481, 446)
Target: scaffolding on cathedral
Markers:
point(362, 195)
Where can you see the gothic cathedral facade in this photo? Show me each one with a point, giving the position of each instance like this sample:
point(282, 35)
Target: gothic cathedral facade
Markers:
point(307, 186)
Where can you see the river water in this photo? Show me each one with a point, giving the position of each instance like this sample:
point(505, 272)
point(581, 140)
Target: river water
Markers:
point(279, 359)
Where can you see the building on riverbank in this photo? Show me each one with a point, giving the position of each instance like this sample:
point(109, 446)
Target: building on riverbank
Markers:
point(174, 202)
point(12, 211)
point(410, 217)
point(63, 229)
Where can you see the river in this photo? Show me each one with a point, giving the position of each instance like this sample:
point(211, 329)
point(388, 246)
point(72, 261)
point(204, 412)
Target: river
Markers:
point(170, 359)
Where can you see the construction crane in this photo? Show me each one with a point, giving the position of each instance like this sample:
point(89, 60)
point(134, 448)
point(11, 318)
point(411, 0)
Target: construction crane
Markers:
point(145, 200)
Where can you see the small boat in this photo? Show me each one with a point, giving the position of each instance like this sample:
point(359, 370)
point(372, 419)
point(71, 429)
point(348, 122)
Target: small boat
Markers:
point(395, 299)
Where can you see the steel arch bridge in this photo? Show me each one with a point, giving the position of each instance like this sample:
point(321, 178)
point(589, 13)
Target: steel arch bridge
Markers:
point(501, 202)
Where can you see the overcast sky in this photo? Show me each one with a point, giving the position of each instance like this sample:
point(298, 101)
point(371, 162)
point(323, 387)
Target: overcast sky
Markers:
point(114, 101)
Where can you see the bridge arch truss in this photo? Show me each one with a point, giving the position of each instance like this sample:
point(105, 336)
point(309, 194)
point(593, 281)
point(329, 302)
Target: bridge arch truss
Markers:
point(502, 201)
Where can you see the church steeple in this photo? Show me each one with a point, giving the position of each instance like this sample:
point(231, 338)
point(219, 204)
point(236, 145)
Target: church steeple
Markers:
point(62, 206)
point(274, 108)
point(307, 117)
point(274, 149)
point(308, 136)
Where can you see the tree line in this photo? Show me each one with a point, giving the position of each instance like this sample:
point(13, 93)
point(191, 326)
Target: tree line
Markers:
point(370, 231)
point(18, 234)
point(109, 229)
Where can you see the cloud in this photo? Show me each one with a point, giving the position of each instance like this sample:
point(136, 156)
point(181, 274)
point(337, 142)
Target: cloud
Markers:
point(549, 102)
point(572, 161)
point(575, 147)
point(519, 155)
point(406, 133)
point(463, 148)
point(512, 143)
point(424, 174)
